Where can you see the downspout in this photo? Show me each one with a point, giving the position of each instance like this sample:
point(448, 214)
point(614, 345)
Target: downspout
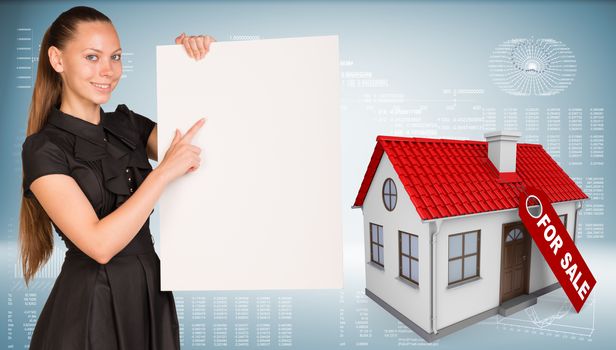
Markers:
point(435, 227)
point(578, 206)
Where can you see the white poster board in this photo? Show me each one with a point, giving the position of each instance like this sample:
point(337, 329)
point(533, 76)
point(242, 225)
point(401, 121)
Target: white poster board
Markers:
point(264, 209)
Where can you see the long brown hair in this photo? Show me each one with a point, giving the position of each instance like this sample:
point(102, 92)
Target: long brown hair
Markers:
point(35, 233)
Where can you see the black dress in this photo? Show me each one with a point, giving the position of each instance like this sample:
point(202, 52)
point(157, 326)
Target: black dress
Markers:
point(91, 306)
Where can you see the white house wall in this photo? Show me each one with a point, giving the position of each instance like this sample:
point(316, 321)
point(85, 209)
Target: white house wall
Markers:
point(458, 303)
point(413, 302)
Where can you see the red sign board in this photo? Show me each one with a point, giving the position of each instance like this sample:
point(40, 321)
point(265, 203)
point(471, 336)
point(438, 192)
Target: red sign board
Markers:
point(556, 246)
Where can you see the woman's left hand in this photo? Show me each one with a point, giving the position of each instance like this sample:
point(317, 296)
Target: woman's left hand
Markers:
point(196, 45)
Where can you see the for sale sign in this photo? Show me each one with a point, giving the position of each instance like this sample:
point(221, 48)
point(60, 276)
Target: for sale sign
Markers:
point(556, 245)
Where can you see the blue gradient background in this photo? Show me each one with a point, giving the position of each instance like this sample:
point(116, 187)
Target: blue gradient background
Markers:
point(420, 49)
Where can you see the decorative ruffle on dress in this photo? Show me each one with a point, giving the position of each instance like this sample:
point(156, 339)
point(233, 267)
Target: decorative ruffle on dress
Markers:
point(92, 306)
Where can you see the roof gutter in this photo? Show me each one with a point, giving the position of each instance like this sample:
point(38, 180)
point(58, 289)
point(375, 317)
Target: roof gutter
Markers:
point(578, 202)
point(578, 206)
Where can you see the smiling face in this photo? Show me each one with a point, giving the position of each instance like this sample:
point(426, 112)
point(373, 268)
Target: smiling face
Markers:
point(90, 64)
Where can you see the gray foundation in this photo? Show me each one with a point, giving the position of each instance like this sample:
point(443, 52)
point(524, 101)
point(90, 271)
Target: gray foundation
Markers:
point(430, 337)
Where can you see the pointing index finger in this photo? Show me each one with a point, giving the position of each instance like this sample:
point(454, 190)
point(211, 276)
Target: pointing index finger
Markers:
point(192, 131)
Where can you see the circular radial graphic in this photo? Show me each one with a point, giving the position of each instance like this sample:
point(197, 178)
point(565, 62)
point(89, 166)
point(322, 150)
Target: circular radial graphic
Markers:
point(539, 67)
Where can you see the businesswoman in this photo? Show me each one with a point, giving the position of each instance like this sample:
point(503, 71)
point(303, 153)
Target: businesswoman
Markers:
point(86, 172)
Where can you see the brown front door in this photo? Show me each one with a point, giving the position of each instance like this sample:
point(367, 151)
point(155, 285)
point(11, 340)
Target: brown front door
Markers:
point(515, 261)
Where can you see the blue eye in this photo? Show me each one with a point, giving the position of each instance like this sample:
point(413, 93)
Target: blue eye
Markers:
point(88, 57)
point(119, 57)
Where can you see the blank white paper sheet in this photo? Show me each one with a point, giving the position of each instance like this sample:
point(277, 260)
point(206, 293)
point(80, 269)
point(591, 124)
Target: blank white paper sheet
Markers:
point(264, 209)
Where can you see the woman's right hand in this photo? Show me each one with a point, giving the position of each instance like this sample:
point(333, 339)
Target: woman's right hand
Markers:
point(182, 157)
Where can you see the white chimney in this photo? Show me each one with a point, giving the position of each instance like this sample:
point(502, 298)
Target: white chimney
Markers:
point(502, 149)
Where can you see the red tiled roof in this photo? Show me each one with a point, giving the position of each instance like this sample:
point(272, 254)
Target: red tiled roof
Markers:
point(447, 178)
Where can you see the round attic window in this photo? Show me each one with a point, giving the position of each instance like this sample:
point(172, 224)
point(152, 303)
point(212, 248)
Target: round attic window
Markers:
point(390, 194)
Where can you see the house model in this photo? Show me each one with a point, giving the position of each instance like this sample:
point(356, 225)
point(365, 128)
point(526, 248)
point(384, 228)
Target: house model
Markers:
point(444, 245)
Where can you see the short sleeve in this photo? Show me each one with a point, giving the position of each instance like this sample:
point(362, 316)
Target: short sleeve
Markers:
point(143, 124)
point(40, 156)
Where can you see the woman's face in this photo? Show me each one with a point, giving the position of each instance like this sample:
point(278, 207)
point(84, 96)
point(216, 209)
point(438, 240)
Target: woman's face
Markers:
point(90, 64)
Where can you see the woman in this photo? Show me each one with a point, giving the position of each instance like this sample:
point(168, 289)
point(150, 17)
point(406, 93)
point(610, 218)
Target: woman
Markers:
point(87, 172)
